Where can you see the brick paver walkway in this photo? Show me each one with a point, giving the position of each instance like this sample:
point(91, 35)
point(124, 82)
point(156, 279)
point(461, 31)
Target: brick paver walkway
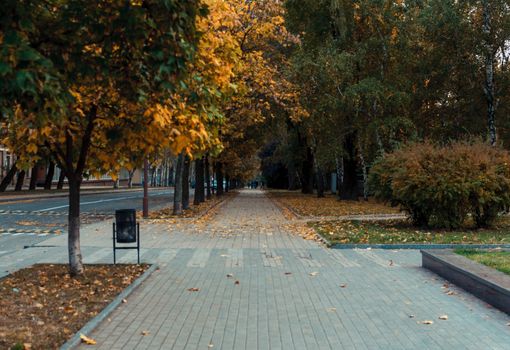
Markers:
point(291, 294)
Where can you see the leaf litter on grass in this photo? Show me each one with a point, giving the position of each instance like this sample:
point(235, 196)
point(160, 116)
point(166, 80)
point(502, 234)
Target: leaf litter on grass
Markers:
point(402, 232)
point(330, 205)
point(43, 306)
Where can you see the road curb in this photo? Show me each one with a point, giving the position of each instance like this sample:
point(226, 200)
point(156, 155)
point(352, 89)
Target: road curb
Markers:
point(282, 206)
point(22, 197)
point(93, 323)
point(297, 218)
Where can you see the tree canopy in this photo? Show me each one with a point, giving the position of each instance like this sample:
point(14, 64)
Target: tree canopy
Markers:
point(296, 89)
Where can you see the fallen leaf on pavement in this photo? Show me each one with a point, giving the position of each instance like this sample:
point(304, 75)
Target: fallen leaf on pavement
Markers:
point(26, 223)
point(193, 290)
point(426, 322)
point(87, 340)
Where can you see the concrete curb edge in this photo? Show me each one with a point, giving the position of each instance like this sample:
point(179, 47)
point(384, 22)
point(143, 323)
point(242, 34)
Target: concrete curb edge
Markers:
point(420, 246)
point(93, 323)
point(483, 282)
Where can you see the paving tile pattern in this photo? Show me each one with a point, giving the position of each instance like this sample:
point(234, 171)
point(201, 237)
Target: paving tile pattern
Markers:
point(261, 286)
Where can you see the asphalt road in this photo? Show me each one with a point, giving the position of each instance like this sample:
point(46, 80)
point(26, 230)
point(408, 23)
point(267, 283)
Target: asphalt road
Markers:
point(27, 222)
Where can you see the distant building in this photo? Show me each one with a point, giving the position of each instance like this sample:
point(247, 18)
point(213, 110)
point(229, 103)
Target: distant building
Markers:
point(7, 159)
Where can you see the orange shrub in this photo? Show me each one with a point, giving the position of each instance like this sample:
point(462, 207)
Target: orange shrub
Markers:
point(441, 186)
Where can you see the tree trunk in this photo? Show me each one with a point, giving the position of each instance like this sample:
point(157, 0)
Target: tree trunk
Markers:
point(33, 177)
point(178, 185)
point(208, 177)
point(61, 178)
point(75, 257)
point(74, 170)
point(349, 188)
point(365, 172)
point(320, 182)
point(20, 180)
point(219, 179)
point(185, 183)
point(199, 182)
point(292, 177)
point(153, 176)
point(170, 172)
point(131, 173)
point(339, 173)
point(489, 87)
point(227, 183)
point(307, 171)
point(164, 174)
point(8, 178)
point(49, 176)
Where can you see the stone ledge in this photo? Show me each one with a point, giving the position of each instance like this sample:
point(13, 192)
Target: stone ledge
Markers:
point(488, 284)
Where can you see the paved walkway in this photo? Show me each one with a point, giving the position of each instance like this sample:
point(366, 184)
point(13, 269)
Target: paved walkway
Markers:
point(290, 294)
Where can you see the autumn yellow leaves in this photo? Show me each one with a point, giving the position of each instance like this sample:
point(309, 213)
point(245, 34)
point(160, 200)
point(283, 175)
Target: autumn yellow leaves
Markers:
point(42, 306)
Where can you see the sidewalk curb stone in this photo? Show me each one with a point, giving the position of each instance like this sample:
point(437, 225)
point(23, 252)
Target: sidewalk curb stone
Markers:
point(93, 323)
point(419, 246)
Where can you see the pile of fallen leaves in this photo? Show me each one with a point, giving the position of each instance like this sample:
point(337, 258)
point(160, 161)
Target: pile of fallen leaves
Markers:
point(194, 211)
point(304, 231)
point(42, 306)
point(330, 205)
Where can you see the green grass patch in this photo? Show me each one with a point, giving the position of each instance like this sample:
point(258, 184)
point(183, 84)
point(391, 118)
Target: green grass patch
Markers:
point(499, 260)
point(402, 232)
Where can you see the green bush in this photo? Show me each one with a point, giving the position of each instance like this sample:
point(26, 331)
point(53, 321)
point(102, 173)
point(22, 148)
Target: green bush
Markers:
point(440, 186)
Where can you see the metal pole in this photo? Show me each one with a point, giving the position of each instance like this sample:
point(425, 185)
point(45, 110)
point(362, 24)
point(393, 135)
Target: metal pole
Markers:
point(145, 188)
point(114, 247)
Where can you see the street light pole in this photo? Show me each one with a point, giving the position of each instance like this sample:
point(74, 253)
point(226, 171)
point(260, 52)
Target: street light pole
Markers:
point(145, 188)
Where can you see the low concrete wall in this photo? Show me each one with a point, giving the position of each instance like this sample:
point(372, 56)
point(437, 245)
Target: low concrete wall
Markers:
point(490, 285)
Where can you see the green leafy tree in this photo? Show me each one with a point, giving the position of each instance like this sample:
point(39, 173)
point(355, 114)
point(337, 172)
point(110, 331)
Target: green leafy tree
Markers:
point(112, 61)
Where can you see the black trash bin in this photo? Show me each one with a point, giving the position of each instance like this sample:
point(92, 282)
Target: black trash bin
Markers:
point(126, 230)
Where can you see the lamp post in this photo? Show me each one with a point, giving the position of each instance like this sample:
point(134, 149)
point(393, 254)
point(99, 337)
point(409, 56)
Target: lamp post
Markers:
point(145, 188)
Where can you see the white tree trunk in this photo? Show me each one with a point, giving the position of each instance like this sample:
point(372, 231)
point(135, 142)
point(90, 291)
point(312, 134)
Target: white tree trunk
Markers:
point(489, 88)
